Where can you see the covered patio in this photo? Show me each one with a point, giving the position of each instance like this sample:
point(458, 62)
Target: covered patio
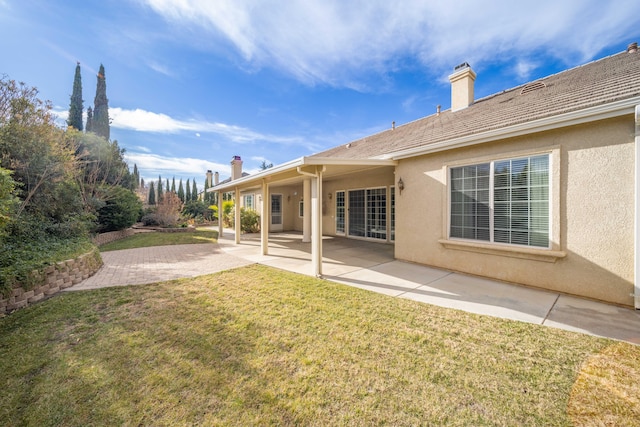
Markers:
point(371, 266)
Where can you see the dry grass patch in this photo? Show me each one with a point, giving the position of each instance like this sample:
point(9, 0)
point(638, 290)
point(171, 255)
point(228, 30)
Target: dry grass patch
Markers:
point(607, 391)
point(258, 346)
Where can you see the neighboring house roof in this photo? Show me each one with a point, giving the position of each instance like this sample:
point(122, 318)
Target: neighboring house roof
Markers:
point(229, 179)
point(604, 81)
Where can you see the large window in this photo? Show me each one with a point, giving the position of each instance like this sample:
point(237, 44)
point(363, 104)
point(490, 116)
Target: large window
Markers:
point(505, 201)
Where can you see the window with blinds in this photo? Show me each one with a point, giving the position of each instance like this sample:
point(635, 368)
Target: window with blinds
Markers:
point(505, 201)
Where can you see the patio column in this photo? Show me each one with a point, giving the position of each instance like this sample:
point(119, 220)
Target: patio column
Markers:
point(636, 254)
point(264, 219)
point(236, 205)
point(316, 223)
point(306, 207)
point(220, 226)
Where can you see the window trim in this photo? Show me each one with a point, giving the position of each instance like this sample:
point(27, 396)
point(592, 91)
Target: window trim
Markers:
point(549, 254)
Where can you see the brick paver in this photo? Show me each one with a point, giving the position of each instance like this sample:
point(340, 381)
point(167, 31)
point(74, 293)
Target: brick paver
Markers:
point(159, 263)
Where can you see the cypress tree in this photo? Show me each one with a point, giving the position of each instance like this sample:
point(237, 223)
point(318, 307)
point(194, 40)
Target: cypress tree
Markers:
point(75, 107)
point(136, 177)
point(166, 187)
point(181, 191)
point(100, 122)
point(152, 195)
point(173, 185)
point(89, 126)
point(141, 182)
point(205, 195)
point(194, 191)
point(159, 188)
point(187, 194)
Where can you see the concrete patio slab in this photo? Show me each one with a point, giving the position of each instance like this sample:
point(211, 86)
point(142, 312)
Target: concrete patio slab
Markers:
point(591, 317)
point(371, 266)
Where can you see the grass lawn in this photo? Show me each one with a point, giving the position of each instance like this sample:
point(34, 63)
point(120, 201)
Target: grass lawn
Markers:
point(259, 346)
point(143, 240)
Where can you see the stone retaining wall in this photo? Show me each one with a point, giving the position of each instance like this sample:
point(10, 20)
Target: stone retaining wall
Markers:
point(54, 278)
point(105, 238)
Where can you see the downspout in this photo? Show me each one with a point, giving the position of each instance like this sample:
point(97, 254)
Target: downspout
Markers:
point(316, 218)
point(636, 252)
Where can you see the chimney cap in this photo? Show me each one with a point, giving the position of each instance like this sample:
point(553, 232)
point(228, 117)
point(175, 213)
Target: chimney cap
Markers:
point(461, 66)
point(236, 158)
point(632, 48)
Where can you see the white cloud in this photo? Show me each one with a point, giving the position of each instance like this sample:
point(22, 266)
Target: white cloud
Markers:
point(154, 165)
point(147, 121)
point(332, 41)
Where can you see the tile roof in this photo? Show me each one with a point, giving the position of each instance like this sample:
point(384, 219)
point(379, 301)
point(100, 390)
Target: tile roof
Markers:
point(610, 79)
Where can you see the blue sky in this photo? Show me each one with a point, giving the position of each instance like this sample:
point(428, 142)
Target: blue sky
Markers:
point(192, 83)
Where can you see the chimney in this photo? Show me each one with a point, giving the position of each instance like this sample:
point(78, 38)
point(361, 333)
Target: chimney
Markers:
point(236, 168)
point(462, 87)
point(209, 179)
point(216, 178)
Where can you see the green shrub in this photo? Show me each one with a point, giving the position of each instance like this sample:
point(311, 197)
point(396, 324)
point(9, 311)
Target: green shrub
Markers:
point(249, 220)
point(197, 210)
point(121, 210)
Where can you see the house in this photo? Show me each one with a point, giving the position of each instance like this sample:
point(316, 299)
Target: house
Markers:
point(536, 185)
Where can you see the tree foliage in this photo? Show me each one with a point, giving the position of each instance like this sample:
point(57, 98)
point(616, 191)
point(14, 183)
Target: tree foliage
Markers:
point(39, 154)
point(121, 210)
point(194, 190)
point(151, 200)
point(181, 191)
point(8, 199)
point(100, 123)
point(75, 107)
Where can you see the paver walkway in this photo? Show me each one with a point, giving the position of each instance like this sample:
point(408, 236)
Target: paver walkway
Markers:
point(159, 263)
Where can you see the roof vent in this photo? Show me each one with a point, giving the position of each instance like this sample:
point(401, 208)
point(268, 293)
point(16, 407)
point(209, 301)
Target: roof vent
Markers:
point(632, 48)
point(532, 86)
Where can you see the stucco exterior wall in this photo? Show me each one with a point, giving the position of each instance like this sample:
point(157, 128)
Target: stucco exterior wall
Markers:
point(592, 216)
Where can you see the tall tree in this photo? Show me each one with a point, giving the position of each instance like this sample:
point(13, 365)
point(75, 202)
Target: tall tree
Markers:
point(194, 190)
point(181, 191)
point(136, 177)
point(187, 193)
point(166, 187)
point(75, 107)
point(159, 189)
point(206, 195)
point(152, 195)
point(89, 125)
point(100, 123)
point(173, 185)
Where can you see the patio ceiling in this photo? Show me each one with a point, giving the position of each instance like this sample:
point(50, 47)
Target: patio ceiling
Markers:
point(289, 173)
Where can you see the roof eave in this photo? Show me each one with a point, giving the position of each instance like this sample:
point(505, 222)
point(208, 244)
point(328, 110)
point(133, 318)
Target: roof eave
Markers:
point(599, 112)
point(295, 164)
